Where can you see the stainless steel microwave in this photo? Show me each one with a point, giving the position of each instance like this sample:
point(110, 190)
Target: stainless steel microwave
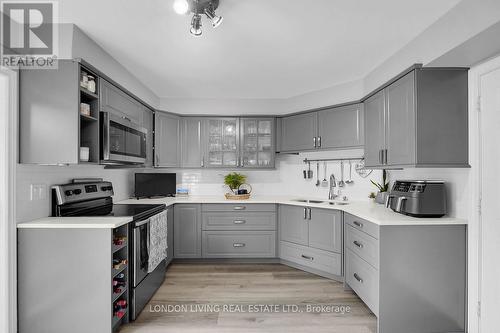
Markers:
point(122, 141)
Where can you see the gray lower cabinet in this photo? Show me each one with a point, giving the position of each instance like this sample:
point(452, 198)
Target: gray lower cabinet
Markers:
point(413, 277)
point(166, 150)
point(187, 231)
point(419, 120)
point(192, 140)
point(239, 244)
point(311, 237)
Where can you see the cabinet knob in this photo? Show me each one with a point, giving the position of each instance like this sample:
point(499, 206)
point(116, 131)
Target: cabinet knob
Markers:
point(358, 224)
point(358, 278)
point(307, 257)
point(358, 244)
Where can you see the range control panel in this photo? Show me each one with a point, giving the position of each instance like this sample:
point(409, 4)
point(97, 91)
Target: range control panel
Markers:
point(77, 192)
point(412, 186)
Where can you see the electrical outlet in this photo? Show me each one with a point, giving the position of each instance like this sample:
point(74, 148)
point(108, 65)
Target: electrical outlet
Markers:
point(38, 192)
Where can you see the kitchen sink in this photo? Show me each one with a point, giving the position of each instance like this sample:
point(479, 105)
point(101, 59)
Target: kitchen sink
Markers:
point(339, 203)
point(308, 201)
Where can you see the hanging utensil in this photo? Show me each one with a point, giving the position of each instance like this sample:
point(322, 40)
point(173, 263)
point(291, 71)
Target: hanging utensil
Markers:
point(341, 182)
point(317, 174)
point(350, 181)
point(324, 183)
point(309, 172)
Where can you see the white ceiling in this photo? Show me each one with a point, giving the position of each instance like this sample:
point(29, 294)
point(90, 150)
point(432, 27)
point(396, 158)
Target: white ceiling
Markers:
point(263, 49)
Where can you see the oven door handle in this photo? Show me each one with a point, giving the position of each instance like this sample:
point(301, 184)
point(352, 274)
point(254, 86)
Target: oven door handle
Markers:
point(141, 223)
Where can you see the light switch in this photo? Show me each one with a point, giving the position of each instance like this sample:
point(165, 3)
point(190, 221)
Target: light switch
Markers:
point(38, 192)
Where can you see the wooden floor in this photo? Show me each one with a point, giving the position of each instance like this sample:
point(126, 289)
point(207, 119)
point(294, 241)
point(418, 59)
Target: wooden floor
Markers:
point(247, 287)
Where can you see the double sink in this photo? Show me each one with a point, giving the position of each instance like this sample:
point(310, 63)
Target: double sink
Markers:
point(312, 201)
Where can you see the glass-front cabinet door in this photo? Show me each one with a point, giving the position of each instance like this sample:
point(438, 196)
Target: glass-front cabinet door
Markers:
point(223, 143)
point(257, 142)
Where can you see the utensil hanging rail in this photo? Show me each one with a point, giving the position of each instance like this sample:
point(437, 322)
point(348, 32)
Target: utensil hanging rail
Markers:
point(333, 159)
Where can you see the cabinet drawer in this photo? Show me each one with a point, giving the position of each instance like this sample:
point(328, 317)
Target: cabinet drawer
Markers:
point(239, 244)
point(363, 245)
point(318, 259)
point(239, 207)
point(363, 279)
point(239, 221)
point(368, 227)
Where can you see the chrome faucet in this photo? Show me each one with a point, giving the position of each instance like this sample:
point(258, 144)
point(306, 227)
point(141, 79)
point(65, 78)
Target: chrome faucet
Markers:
point(333, 184)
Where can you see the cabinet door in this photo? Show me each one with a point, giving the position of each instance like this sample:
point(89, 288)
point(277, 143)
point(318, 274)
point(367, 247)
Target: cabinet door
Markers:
point(293, 225)
point(222, 144)
point(341, 127)
point(299, 131)
point(400, 100)
point(166, 140)
point(325, 230)
point(117, 101)
point(257, 142)
point(187, 231)
point(147, 123)
point(374, 129)
point(191, 146)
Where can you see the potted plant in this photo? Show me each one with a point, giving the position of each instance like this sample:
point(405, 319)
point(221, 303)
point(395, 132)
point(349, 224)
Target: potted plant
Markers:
point(235, 181)
point(382, 188)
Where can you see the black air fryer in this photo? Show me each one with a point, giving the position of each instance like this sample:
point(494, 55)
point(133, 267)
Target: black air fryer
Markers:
point(418, 198)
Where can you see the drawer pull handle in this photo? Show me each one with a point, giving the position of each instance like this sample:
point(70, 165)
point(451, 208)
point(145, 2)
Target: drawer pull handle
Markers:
point(240, 221)
point(358, 244)
point(358, 224)
point(239, 207)
point(239, 244)
point(356, 276)
point(307, 257)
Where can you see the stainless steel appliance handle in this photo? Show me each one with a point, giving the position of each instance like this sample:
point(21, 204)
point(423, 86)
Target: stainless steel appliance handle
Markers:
point(358, 244)
point(140, 223)
point(239, 244)
point(388, 200)
point(399, 204)
point(239, 222)
point(105, 136)
point(307, 257)
point(357, 277)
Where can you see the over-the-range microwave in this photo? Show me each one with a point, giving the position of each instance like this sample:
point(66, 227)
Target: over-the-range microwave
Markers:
point(122, 140)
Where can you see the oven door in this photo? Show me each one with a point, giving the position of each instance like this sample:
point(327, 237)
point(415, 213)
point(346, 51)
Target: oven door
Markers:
point(140, 249)
point(122, 140)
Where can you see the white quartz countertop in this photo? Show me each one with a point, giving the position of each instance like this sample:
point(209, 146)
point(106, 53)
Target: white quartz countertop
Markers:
point(369, 211)
point(84, 222)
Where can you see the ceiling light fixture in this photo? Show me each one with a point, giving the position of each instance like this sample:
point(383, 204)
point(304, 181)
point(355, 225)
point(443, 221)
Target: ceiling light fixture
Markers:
point(197, 8)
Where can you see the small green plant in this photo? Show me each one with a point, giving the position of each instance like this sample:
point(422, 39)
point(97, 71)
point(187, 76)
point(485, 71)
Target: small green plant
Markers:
point(384, 187)
point(234, 180)
point(372, 195)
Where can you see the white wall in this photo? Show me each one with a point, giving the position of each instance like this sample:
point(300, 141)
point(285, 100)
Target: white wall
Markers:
point(52, 175)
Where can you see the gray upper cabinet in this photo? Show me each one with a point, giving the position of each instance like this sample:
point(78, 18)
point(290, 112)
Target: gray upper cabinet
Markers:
point(222, 143)
point(257, 142)
point(167, 130)
point(147, 123)
point(375, 129)
point(299, 132)
point(341, 127)
point(335, 128)
point(117, 101)
point(191, 143)
point(187, 231)
point(419, 120)
point(325, 230)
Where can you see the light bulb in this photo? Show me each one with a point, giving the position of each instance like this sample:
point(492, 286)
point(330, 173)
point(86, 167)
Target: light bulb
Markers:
point(181, 7)
point(216, 20)
point(196, 25)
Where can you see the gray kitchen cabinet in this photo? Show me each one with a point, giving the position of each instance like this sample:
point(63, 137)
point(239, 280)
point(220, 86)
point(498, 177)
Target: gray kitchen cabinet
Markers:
point(239, 244)
point(115, 100)
point(222, 144)
point(166, 150)
point(341, 127)
point(325, 229)
point(420, 119)
point(293, 224)
point(148, 124)
point(51, 127)
point(187, 231)
point(374, 129)
point(257, 138)
point(299, 132)
point(191, 142)
point(170, 234)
